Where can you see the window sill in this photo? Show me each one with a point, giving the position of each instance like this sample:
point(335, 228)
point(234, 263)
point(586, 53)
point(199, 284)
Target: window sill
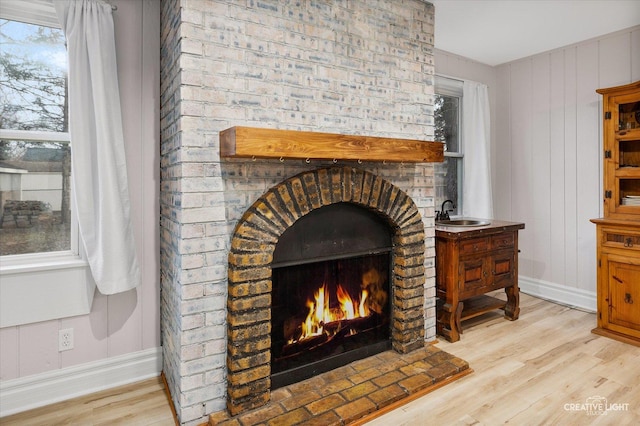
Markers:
point(45, 290)
point(19, 264)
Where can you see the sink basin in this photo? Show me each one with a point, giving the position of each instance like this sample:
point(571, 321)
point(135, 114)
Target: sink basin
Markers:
point(463, 222)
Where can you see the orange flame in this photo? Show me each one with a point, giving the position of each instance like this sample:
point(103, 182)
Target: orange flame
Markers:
point(321, 313)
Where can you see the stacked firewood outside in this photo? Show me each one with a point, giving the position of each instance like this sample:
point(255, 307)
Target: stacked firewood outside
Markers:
point(25, 214)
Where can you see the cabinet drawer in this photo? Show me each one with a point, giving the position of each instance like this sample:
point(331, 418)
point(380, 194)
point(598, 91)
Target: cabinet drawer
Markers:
point(618, 239)
point(502, 241)
point(474, 245)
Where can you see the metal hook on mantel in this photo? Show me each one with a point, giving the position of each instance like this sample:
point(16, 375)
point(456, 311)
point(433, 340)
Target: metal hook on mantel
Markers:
point(308, 160)
point(281, 160)
point(335, 161)
point(246, 169)
point(253, 158)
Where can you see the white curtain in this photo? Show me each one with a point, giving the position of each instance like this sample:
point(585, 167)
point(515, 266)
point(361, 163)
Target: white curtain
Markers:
point(477, 197)
point(97, 144)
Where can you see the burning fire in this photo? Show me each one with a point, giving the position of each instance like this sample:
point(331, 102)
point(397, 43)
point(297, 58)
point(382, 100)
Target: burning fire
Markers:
point(320, 312)
point(326, 318)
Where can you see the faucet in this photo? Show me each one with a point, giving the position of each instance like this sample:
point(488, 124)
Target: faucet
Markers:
point(444, 214)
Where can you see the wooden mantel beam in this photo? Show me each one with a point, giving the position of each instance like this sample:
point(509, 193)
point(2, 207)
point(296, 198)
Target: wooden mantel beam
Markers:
point(251, 142)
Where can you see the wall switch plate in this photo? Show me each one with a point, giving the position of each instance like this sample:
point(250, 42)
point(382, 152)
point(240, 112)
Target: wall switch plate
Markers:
point(65, 339)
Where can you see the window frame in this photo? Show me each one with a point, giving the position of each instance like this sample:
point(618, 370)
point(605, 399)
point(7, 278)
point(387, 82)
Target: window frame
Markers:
point(49, 285)
point(453, 87)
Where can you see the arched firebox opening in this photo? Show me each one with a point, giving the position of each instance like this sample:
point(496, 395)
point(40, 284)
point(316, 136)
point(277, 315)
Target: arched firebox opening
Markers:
point(331, 292)
point(253, 264)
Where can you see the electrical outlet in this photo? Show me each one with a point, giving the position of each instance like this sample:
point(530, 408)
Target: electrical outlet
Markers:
point(65, 339)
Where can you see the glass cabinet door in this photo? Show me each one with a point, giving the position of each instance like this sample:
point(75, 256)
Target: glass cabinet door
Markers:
point(628, 171)
point(622, 156)
point(628, 116)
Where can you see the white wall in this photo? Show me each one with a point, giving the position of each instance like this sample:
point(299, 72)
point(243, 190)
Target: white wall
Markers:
point(548, 158)
point(10, 187)
point(122, 326)
point(546, 154)
point(46, 187)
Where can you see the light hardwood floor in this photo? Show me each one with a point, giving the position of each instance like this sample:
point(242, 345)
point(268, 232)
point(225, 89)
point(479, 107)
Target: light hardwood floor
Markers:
point(141, 404)
point(539, 370)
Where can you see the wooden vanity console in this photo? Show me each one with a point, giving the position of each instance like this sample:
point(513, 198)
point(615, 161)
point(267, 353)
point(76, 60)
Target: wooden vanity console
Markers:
point(472, 261)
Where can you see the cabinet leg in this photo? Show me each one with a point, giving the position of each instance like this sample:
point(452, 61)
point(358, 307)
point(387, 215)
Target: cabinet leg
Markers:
point(449, 321)
point(458, 316)
point(512, 308)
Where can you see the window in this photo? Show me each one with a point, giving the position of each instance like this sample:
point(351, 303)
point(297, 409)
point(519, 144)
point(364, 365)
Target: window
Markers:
point(35, 158)
point(447, 120)
point(42, 270)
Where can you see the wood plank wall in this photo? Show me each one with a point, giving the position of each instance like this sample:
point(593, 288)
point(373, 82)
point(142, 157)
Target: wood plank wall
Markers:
point(126, 323)
point(549, 141)
point(546, 153)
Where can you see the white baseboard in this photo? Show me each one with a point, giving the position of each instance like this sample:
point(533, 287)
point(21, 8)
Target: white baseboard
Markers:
point(30, 392)
point(563, 295)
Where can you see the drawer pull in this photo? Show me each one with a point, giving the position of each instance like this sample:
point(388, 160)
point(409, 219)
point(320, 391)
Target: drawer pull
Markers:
point(628, 299)
point(628, 242)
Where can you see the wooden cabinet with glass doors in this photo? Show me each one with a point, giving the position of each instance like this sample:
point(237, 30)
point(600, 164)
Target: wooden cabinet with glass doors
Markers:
point(618, 232)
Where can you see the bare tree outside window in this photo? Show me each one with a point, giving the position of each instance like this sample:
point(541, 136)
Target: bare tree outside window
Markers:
point(35, 162)
point(448, 173)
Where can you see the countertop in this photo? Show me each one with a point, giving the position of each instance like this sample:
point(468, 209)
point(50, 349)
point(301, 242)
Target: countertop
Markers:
point(494, 227)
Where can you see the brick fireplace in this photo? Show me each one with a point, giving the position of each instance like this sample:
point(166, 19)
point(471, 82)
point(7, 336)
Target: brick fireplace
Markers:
point(251, 253)
point(356, 68)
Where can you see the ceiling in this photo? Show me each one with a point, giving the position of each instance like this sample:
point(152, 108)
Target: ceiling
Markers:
point(497, 31)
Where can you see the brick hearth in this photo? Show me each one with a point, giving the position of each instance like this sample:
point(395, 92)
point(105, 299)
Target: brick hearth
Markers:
point(252, 247)
point(354, 391)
